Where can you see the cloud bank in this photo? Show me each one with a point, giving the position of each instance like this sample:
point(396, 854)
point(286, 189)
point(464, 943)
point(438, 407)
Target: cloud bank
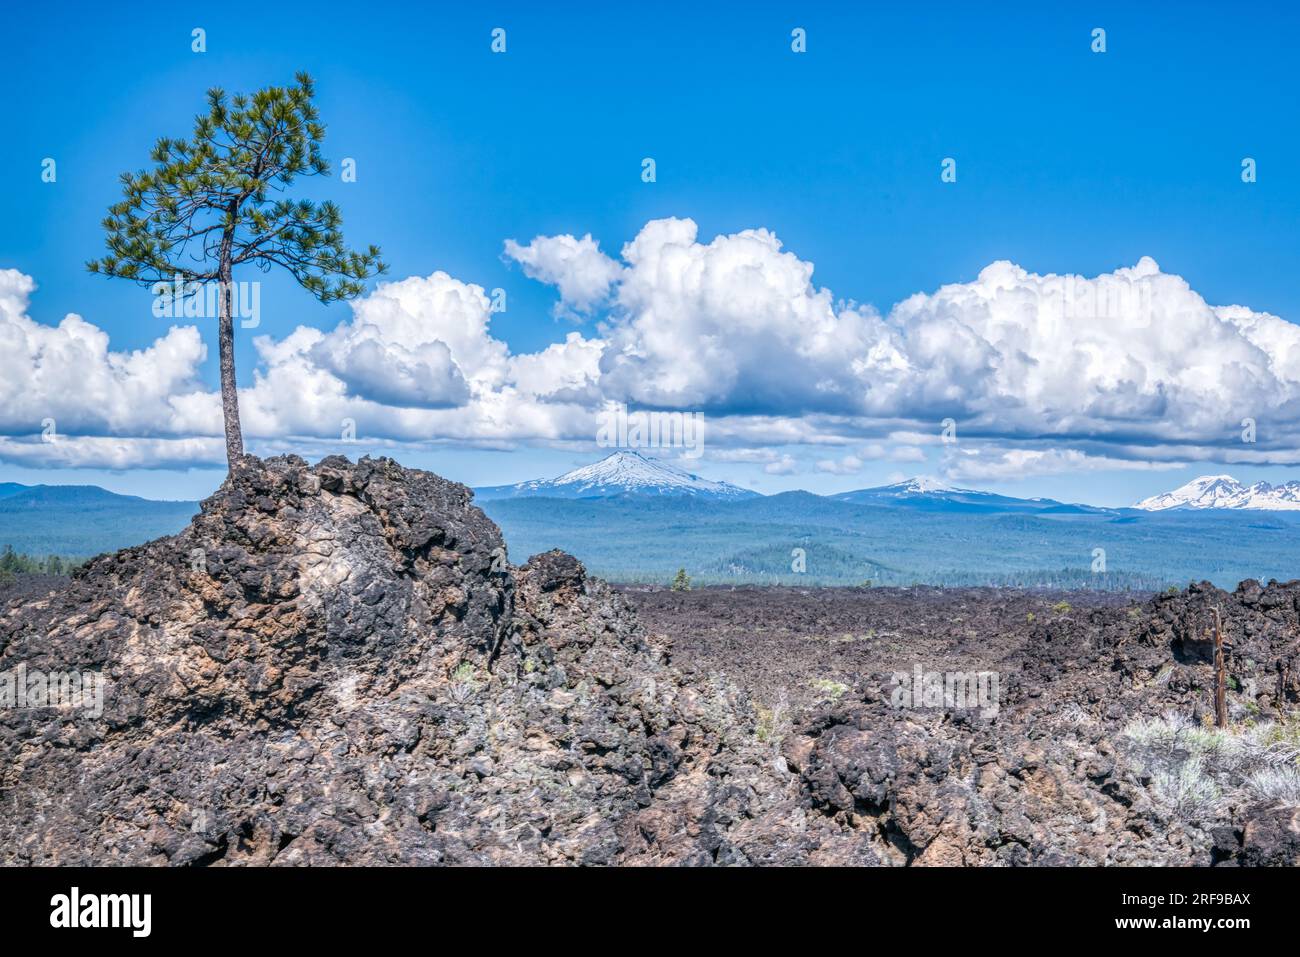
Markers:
point(1038, 373)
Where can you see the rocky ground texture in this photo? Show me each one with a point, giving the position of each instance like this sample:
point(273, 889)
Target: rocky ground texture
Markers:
point(1102, 750)
point(338, 664)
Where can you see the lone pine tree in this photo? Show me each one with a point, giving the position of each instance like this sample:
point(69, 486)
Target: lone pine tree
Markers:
point(216, 201)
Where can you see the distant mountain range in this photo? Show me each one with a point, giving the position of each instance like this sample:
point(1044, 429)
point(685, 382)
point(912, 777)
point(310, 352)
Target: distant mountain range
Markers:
point(1224, 491)
point(626, 473)
point(931, 494)
point(897, 537)
point(77, 521)
point(631, 517)
point(622, 473)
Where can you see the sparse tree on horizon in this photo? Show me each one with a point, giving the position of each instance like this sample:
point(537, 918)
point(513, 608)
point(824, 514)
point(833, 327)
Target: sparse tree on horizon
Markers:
point(214, 202)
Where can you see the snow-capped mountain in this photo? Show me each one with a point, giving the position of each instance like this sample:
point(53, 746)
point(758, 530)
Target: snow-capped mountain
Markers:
point(926, 485)
point(926, 492)
point(921, 483)
point(1224, 491)
point(622, 473)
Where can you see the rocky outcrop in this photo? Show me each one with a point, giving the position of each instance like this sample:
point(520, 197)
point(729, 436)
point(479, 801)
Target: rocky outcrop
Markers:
point(338, 664)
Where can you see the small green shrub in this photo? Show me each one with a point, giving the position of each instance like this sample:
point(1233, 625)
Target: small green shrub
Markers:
point(1196, 770)
point(828, 690)
point(774, 723)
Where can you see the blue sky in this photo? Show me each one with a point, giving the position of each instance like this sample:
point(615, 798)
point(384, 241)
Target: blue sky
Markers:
point(1069, 162)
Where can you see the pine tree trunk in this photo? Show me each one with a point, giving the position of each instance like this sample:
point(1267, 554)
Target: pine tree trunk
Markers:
point(226, 348)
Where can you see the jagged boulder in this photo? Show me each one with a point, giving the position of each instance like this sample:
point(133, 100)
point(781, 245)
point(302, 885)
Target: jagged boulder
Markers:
point(337, 664)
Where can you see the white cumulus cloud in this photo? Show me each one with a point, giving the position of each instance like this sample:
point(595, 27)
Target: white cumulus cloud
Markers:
point(1040, 372)
point(577, 267)
point(69, 374)
point(733, 326)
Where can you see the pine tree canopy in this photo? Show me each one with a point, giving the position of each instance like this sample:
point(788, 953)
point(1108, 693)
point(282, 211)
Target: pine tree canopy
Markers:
point(220, 196)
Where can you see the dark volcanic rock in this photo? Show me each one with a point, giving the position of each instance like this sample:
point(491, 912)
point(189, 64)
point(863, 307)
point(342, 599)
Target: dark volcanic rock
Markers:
point(1271, 837)
point(338, 665)
point(1056, 776)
